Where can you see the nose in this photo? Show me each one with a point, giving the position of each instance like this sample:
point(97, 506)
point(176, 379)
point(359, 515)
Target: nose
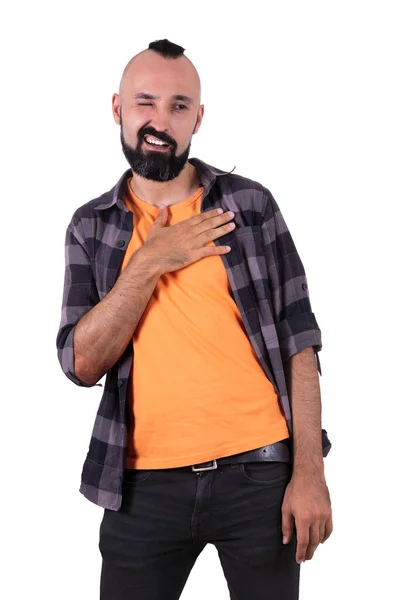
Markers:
point(160, 120)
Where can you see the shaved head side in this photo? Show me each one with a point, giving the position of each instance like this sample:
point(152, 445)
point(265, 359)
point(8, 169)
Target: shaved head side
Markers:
point(162, 48)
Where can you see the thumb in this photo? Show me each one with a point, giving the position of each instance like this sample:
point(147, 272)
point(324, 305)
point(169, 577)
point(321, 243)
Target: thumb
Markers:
point(162, 216)
point(287, 526)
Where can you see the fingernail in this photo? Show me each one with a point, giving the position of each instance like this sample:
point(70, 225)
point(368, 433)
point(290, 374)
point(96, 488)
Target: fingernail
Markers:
point(285, 540)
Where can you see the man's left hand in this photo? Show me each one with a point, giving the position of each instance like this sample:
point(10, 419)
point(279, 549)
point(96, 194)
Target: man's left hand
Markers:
point(307, 504)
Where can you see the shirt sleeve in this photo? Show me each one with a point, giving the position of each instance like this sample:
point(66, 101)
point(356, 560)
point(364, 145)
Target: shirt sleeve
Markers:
point(80, 295)
point(296, 325)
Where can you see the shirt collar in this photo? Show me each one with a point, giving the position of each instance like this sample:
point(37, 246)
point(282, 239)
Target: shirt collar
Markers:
point(207, 174)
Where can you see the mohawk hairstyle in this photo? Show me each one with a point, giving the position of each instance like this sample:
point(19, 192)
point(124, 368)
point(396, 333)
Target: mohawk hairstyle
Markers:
point(167, 48)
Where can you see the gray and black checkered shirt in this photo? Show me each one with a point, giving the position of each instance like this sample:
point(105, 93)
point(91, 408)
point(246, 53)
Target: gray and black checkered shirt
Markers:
point(267, 280)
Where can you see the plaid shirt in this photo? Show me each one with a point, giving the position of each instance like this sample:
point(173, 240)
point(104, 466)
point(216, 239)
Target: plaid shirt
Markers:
point(266, 277)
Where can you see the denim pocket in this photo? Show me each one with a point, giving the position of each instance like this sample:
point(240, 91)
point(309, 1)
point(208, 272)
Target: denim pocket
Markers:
point(266, 472)
point(135, 476)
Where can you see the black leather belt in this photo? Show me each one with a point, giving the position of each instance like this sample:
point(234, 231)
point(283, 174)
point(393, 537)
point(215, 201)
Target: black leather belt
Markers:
point(279, 451)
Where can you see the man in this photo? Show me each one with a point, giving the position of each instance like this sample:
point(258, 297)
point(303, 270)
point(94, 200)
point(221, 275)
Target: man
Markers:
point(184, 287)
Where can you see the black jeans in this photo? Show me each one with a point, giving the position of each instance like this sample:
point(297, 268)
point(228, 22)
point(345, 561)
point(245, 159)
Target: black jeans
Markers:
point(169, 515)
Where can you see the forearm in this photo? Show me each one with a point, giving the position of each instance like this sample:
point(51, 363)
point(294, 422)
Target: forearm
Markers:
point(102, 335)
point(305, 398)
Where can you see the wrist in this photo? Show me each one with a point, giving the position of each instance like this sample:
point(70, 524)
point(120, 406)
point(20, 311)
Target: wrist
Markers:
point(311, 469)
point(151, 265)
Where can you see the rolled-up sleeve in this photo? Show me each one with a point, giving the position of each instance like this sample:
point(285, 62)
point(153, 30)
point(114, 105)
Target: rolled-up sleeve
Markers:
point(80, 295)
point(295, 323)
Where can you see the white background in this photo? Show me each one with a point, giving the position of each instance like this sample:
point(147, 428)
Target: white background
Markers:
point(301, 96)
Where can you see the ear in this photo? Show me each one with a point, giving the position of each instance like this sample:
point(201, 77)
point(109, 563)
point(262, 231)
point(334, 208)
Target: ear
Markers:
point(200, 115)
point(116, 108)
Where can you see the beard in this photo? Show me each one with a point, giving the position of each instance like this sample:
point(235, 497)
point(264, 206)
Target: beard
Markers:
point(156, 166)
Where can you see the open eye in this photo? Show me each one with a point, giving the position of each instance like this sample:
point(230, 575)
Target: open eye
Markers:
point(180, 107)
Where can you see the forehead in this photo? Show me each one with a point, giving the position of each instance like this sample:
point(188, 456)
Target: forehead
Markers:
point(152, 73)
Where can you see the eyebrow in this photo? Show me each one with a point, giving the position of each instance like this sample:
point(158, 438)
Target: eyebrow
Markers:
point(181, 97)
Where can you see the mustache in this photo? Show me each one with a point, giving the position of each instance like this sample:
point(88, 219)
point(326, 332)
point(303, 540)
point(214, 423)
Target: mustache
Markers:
point(164, 137)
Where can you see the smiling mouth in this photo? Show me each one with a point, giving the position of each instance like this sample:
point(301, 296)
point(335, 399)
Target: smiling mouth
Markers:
point(154, 142)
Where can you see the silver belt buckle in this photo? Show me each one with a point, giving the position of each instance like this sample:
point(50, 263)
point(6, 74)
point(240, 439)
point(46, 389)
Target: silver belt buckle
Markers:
point(214, 466)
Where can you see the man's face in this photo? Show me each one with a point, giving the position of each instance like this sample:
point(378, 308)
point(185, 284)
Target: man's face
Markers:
point(159, 111)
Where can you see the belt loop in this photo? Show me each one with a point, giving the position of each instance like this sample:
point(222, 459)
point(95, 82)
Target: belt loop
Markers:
point(234, 461)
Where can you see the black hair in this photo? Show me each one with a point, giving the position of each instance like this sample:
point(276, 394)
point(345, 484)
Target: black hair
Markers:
point(166, 48)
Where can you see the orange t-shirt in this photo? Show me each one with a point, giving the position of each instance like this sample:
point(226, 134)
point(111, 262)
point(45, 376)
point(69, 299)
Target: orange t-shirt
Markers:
point(197, 390)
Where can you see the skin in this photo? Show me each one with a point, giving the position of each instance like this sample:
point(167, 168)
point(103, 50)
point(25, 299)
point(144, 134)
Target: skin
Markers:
point(306, 503)
point(152, 74)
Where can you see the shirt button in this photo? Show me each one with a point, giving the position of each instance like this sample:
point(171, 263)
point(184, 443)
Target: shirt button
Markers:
point(120, 243)
point(120, 383)
point(304, 286)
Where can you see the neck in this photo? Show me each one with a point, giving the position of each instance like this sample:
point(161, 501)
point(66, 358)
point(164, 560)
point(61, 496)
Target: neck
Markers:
point(167, 192)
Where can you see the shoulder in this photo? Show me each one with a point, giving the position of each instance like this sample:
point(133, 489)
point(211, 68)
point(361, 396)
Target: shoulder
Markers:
point(93, 208)
point(248, 194)
point(95, 215)
point(242, 184)
point(103, 207)
point(243, 192)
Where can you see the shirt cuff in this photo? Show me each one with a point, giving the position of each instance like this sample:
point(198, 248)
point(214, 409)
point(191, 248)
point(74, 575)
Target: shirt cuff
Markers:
point(298, 332)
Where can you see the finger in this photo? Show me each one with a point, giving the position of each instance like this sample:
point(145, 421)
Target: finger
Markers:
point(328, 529)
point(204, 216)
point(287, 526)
point(213, 234)
point(303, 538)
point(162, 215)
point(214, 224)
point(314, 540)
point(209, 251)
point(322, 531)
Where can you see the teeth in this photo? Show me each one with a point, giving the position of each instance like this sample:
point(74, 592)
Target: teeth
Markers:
point(156, 142)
